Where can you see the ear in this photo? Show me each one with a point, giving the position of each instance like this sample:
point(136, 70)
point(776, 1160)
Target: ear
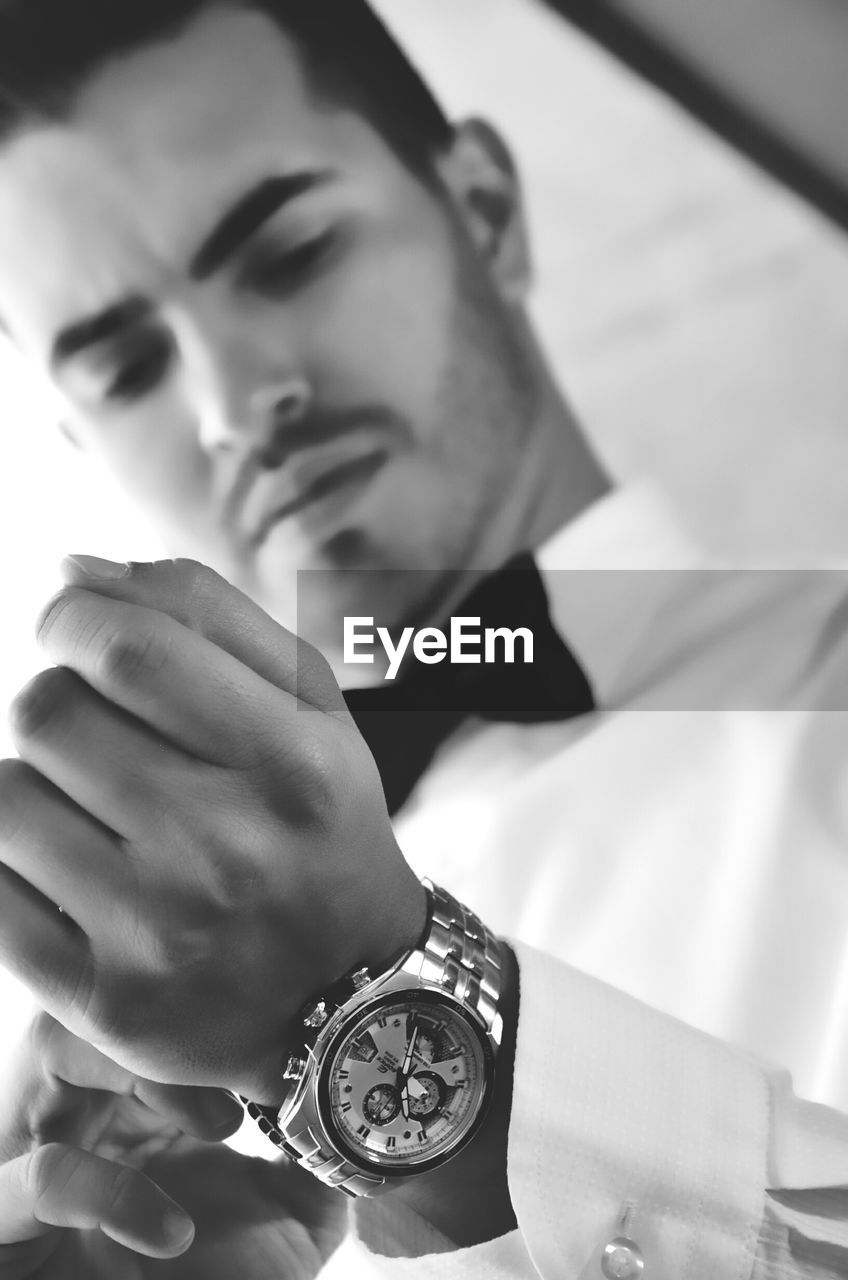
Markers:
point(481, 175)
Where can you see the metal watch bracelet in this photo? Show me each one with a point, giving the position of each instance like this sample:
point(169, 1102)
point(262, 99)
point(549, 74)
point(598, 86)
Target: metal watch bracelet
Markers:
point(460, 957)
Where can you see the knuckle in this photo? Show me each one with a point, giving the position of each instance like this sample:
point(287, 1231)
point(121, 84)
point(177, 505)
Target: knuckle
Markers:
point(41, 703)
point(42, 1034)
point(50, 1046)
point(232, 883)
point(313, 666)
point(49, 1169)
point(121, 1194)
point(99, 1014)
point(316, 680)
point(311, 774)
point(15, 798)
point(132, 654)
point(197, 583)
point(53, 611)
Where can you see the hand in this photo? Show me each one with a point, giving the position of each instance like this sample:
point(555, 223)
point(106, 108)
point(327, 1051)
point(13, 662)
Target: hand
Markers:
point(95, 1162)
point(194, 797)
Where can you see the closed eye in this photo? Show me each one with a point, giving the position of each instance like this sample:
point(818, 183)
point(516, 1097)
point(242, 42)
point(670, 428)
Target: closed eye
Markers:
point(270, 271)
point(143, 369)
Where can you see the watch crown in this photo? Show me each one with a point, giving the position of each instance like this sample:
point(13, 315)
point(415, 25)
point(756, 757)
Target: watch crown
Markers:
point(360, 979)
point(294, 1068)
point(316, 1015)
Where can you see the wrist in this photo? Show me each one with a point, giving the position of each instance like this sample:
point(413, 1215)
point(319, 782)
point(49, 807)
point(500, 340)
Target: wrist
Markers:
point(403, 915)
point(403, 923)
point(399, 1073)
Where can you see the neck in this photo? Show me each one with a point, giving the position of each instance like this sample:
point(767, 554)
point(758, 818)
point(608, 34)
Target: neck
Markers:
point(560, 479)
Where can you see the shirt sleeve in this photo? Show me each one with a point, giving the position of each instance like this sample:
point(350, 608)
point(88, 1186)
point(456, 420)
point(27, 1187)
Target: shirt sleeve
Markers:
point(639, 1146)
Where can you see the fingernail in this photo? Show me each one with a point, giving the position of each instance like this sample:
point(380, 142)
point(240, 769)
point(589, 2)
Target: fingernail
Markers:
point(177, 1228)
point(93, 567)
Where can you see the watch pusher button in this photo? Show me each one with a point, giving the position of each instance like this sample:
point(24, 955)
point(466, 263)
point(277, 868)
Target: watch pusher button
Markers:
point(316, 1015)
point(294, 1069)
point(361, 979)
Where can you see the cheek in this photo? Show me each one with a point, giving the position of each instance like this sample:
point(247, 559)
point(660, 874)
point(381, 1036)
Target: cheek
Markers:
point(383, 326)
point(152, 454)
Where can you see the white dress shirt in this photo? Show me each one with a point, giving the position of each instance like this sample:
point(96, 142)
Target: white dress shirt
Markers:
point(673, 874)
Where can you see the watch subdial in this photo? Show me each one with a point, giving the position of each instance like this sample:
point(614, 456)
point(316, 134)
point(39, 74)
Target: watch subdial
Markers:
point(381, 1104)
point(425, 1049)
point(426, 1095)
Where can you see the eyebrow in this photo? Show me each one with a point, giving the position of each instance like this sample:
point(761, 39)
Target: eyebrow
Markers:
point(106, 324)
point(248, 215)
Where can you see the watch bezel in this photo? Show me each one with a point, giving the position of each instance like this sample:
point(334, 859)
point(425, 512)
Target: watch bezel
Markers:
point(418, 995)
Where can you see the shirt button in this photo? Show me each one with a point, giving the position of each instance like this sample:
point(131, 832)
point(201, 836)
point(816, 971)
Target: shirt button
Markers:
point(622, 1260)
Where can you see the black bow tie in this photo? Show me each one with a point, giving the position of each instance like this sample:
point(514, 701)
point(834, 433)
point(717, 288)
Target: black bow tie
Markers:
point(405, 721)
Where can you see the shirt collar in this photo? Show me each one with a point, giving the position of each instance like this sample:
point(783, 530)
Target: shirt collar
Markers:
point(602, 601)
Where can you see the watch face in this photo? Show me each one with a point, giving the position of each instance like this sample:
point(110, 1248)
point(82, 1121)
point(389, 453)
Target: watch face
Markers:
point(403, 1086)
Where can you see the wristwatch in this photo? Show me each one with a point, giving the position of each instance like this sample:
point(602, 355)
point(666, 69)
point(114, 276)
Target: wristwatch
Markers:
point(396, 1071)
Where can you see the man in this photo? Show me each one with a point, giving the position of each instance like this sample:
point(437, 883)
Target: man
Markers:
point(287, 314)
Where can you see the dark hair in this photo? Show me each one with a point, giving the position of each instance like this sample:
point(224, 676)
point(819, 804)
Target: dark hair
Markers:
point(49, 48)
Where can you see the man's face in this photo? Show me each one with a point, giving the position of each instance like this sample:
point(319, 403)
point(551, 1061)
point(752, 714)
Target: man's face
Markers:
point(282, 345)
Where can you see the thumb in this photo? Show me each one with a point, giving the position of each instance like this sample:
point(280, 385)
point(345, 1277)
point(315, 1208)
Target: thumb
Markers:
point(61, 1186)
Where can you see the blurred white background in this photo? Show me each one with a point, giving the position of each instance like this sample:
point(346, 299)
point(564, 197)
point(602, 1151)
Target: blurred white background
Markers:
point(698, 315)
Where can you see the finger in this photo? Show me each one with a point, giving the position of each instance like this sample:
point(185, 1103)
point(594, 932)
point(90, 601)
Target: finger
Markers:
point(208, 1114)
point(171, 678)
point(43, 949)
point(61, 1186)
point(204, 602)
point(49, 841)
point(108, 763)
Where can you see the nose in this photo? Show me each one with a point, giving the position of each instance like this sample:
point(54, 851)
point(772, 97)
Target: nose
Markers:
point(276, 409)
point(258, 419)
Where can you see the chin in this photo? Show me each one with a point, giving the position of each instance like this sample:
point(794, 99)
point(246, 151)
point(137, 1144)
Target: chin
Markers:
point(357, 572)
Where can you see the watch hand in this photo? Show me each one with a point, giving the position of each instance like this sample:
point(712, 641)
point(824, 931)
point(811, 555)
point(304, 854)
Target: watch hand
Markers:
point(404, 1102)
point(410, 1052)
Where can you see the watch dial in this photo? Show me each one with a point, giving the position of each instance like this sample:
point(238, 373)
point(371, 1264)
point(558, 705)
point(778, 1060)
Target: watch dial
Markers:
point(406, 1083)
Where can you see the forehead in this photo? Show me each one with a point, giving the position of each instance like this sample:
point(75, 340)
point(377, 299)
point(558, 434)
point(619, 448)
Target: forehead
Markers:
point(160, 143)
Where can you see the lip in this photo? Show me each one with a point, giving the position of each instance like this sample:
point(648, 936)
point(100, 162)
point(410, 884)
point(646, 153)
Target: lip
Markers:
point(323, 492)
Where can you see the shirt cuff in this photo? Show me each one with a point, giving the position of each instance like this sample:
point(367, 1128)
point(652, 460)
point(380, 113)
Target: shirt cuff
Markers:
point(391, 1240)
point(629, 1124)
